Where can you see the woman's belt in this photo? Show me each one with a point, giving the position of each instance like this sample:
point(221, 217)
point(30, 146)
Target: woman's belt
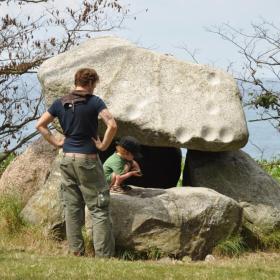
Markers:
point(79, 155)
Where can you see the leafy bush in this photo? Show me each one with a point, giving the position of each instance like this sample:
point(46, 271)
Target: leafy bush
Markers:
point(271, 167)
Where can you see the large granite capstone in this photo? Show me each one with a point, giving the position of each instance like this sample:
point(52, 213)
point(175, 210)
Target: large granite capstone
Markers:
point(158, 99)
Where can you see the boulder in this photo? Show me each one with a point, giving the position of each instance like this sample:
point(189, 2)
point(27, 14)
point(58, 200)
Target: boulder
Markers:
point(28, 171)
point(46, 205)
point(177, 221)
point(156, 98)
point(236, 175)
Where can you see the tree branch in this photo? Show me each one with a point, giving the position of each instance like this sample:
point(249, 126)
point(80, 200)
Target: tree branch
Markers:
point(265, 119)
point(19, 145)
point(27, 1)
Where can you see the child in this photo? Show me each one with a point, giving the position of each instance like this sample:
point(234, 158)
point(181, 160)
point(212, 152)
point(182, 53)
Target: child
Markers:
point(121, 165)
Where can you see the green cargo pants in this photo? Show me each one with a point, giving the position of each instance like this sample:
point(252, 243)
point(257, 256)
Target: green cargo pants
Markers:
point(83, 183)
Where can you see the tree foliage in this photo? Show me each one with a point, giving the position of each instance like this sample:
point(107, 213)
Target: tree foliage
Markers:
point(32, 31)
point(260, 74)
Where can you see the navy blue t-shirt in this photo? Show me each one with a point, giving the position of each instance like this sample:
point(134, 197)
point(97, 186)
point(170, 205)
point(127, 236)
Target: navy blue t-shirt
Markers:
point(79, 125)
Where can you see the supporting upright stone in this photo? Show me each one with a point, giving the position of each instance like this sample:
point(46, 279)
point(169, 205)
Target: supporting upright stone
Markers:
point(236, 175)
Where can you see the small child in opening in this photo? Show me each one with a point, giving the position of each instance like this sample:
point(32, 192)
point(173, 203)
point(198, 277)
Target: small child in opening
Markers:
point(121, 165)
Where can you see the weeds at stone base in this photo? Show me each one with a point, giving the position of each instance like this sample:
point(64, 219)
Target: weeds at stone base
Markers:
point(261, 239)
point(271, 240)
point(11, 221)
point(15, 233)
point(234, 246)
point(129, 254)
point(153, 253)
point(4, 164)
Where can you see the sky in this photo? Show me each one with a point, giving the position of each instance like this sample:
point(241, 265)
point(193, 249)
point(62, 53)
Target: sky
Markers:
point(170, 24)
point(167, 25)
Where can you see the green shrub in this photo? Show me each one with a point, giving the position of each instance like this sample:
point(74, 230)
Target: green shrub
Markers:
point(271, 167)
point(10, 219)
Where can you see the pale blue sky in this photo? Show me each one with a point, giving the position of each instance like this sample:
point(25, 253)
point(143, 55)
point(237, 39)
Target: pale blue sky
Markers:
point(171, 23)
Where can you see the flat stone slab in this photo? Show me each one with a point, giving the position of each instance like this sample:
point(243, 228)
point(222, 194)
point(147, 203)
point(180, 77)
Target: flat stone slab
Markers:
point(158, 99)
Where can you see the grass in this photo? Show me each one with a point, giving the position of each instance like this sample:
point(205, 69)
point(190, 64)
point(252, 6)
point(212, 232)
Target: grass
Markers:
point(271, 240)
point(10, 220)
point(6, 162)
point(16, 234)
point(234, 246)
point(272, 167)
point(152, 253)
point(22, 265)
point(268, 240)
point(26, 253)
